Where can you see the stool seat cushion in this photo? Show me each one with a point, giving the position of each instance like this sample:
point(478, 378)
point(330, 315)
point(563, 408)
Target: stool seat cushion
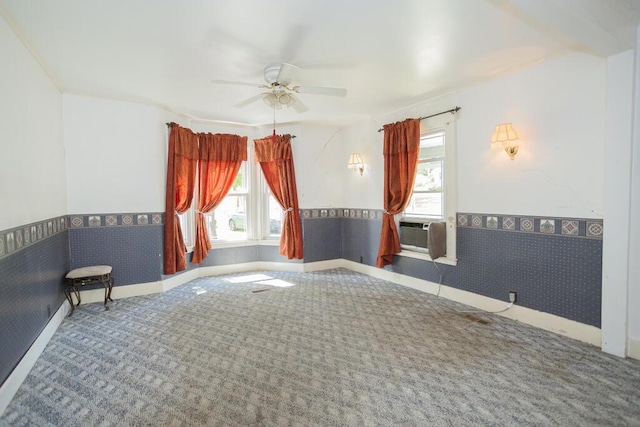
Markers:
point(94, 270)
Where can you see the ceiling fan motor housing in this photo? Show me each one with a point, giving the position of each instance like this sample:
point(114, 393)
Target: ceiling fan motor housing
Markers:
point(271, 73)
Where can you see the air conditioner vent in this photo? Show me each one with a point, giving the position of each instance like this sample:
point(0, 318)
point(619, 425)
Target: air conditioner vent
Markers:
point(413, 233)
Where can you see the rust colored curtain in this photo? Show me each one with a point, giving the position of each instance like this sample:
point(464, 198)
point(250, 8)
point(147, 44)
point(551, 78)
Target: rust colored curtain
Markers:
point(221, 156)
point(276, 161)
point(401, 148)
point(181, 174)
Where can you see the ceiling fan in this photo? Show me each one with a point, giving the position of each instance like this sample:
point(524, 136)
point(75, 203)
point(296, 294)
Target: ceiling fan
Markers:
point(279, 91)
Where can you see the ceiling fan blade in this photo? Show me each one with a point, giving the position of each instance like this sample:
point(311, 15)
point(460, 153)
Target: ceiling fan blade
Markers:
point(319, 90)
point(249, 100)
point(297, 105)
point(231, 82)
point(287, 73)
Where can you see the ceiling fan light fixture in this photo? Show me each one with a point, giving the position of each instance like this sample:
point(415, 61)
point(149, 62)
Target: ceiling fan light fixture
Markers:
point(285, 99)
point(270, 100)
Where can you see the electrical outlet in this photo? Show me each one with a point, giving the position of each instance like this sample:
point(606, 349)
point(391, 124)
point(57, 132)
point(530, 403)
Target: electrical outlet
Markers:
point(513, 296)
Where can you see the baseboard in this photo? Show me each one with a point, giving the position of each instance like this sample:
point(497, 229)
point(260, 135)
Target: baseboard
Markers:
point(633, 348)
point(324, 265)
point(250, 266)
point(560, 325)
point(180, 279)
point(539, 319)
point(126, 291)
point(18, 375)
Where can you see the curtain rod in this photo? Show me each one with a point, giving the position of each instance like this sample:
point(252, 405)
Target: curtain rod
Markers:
point(169, 125)
point(452, 111)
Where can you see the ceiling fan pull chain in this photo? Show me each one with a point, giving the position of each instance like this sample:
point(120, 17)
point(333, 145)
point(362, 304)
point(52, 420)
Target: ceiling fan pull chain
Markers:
point(274, 137)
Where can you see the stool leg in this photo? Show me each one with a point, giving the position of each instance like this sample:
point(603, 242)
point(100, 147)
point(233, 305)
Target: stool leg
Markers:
point(67, 293)
point(110, 287)
point(106, 294)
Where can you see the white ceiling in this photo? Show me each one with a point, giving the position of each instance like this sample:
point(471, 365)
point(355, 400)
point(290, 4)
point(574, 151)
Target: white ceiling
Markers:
point(388, 55)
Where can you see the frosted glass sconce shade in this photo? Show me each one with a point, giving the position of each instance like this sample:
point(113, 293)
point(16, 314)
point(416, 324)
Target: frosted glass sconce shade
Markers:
point(506, 135)
point(356, 163)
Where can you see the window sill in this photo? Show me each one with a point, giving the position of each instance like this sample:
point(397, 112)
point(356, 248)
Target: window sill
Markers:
point(417, 217)
point(269, 242)
point(240, 243)
point(221, 244)
point(425, 256)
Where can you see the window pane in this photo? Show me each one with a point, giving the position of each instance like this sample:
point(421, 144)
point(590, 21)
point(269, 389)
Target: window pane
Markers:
point(240, 183)
point(427, 198)
point(185, 226)
point(432, 140)
point(276, 216)
point(429, 204)
point(429, 176)
point(229, 220)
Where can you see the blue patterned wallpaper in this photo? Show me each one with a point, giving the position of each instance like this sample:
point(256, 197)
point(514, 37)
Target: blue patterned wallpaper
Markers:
point(34, 261)
point(551, 273)
point(130, 242)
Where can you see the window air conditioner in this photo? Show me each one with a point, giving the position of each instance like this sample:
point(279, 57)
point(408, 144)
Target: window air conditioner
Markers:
point(413, 233)
point(424, 236)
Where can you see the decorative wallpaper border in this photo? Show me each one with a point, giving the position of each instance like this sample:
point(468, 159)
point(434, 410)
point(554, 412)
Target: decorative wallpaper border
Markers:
point(568, 227)
point(14, 240)
point(341, 213)
point(116, 220)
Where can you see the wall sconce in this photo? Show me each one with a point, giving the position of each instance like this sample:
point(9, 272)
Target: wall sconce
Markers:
point(507, 136)
point(356, 163)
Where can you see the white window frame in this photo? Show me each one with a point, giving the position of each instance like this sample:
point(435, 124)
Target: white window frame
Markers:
point(257, 212)
point(188, 224)
point(445, 123)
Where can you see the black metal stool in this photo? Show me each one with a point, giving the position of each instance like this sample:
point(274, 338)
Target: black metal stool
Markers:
point(88, 276)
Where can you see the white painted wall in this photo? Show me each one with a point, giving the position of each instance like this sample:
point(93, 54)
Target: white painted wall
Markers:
point(32, 174)
point(321, 166)
point(634, 232)
point(250, 132)
point(617, 199)
point(557, 106)
point(319, 163)
point(363, 192)
point(116, 155)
